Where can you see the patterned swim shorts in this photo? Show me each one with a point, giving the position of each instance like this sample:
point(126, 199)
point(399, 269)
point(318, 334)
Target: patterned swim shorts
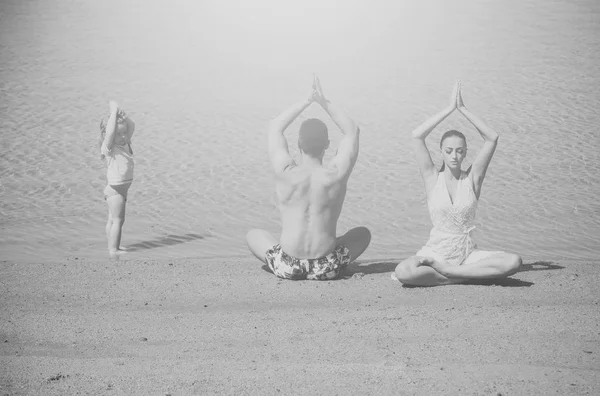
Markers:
point(324, 268)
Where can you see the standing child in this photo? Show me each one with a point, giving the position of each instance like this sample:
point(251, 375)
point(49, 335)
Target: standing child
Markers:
point(115, 150)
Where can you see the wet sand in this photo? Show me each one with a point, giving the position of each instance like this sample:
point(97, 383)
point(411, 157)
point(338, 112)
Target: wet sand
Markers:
point(226, 326)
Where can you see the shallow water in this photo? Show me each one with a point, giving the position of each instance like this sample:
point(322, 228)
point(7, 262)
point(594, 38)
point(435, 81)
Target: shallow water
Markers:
point(201, 79)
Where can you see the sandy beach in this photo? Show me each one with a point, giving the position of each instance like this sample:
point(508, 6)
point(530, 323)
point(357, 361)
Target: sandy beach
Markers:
point(191, 326)
point(189, 311)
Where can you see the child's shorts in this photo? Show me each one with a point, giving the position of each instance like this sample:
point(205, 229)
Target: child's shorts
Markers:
point(121, 189)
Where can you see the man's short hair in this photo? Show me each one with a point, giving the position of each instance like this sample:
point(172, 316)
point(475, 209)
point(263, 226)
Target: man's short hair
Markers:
point(313, 138)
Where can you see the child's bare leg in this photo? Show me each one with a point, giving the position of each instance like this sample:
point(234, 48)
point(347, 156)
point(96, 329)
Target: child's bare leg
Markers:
point(116, 205)
point(108, 225)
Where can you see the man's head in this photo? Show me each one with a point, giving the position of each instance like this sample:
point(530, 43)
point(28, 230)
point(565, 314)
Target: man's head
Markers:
point(313, 138)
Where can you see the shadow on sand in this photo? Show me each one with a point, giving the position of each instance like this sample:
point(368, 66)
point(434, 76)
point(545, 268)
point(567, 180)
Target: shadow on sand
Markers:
point(168, 240)
point(361, 267)
point(512, 282)
point(504, 282)
point(370, 267)
point(389, 265)
point(540, 266)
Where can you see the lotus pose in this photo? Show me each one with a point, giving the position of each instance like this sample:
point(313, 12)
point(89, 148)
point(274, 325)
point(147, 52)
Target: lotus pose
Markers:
point(450, 255)
point(115, 149)
point(310, 198)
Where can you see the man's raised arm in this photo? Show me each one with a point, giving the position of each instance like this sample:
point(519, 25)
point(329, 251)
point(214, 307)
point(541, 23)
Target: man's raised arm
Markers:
point(278, 148)
point(348, 149)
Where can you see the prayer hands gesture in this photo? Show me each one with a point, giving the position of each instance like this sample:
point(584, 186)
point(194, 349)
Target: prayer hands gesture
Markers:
point(456, 100)
point(317, 93)
point(460, 105)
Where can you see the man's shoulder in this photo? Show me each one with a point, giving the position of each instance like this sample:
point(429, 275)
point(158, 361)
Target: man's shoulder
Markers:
point(325, 176)
point(336, 174)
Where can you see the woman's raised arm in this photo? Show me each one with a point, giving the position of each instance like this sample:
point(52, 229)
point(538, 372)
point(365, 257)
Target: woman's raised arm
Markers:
point(490, 137)
point(424, 161)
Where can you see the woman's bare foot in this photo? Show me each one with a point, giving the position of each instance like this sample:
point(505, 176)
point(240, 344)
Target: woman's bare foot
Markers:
point(425, 261)
point(436, 265)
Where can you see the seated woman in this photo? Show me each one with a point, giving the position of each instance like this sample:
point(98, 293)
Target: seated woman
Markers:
point(450, 255)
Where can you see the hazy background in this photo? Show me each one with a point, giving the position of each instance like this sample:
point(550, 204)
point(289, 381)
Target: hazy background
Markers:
point(202, 78)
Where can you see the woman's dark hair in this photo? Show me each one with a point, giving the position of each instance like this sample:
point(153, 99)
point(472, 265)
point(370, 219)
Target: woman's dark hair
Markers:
point(450, 133)
point(447, 134)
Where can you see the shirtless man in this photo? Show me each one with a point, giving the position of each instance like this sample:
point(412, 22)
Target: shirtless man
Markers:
point(310, 198)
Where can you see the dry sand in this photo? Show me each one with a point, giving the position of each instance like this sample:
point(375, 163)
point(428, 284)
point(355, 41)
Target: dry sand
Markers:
point(226, 326)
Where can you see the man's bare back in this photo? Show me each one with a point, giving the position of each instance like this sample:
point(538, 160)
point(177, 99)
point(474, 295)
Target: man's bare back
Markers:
point(310, 198)
point(310, 203)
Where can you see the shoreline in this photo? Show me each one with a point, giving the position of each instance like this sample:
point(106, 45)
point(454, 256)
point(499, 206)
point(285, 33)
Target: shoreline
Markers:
point(226, 326)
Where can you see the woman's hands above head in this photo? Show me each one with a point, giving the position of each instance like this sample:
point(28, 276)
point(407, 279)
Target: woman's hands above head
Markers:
point(460, 105)
point(455, 91)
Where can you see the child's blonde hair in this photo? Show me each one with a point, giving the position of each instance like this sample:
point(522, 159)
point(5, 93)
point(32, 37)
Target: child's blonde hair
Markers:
point(121, 117)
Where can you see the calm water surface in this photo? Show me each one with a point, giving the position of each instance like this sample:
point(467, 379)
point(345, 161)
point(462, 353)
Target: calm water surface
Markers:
point(202, 79)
